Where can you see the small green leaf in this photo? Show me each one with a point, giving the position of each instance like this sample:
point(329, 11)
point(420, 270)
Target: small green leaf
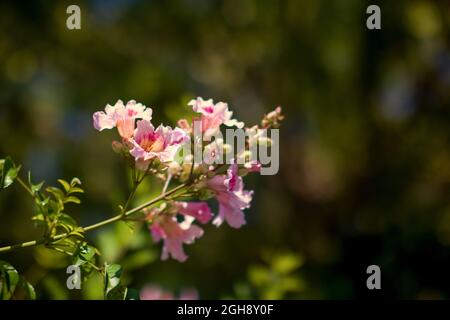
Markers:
point(28, 288)
point(57, 193)
point(75, 181)
point(65, 184)
point(72, 199)
point(34, 187)
point(87, 252)
point(117, 293)
point(113, 273)
point(9, 278)
point(9, 172)
point(76, 190)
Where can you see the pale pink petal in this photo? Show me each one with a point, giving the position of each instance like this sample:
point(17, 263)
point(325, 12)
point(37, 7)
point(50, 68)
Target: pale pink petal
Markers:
point(174, 235)
point(197, 209)
point(103, 121)
point(233, 216)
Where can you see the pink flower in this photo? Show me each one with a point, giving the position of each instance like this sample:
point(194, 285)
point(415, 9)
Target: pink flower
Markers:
point(213, 115)
point(153, 292)
point(231, 196)
point(165, 226)
point(196, 209)
point(121, 116)
point(162, 143)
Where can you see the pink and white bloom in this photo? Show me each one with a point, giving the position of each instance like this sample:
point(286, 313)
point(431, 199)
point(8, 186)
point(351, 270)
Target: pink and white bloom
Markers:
point(162, 143)
point(196, 209)
point(232, 197)
point(165, 226)
point(174, 234)
point(213, 115)
point(121, 116)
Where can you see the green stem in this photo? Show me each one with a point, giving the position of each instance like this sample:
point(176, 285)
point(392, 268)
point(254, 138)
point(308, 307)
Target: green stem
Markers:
point(24, 185)
point(96, 225)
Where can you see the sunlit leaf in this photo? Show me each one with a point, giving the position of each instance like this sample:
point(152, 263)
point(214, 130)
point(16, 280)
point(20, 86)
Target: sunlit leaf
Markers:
point(9, 277)
point(65, 184)
point(72, 199)
point(9, 172)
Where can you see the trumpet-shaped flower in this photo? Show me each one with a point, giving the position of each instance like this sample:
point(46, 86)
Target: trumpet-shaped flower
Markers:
point(213, 115)
point(121, 116)
point(162, 143)
point(174, 234)
point(232, 198)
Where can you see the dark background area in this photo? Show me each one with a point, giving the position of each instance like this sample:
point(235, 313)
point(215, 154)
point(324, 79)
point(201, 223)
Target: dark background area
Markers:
point(365, 159)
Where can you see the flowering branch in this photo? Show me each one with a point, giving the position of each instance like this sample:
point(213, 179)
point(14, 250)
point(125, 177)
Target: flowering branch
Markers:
point(170, 155)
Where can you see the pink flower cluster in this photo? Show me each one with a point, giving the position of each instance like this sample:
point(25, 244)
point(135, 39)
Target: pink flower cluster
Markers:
point(133, 123)
point(165, 223)
point(174, 221)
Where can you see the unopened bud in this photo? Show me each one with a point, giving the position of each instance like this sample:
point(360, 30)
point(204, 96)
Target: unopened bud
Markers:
point(273, 119)
point(174, 168)
point(117, 146)
point(184, 124)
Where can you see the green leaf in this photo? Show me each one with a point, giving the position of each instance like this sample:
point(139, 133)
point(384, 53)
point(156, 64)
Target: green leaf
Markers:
point(9, 172)
point(76, 190)
point(57, 193)
point(75, 181)
point(28, 288)
point(65, 219)
point(72, 199)
point(117, 293)
point(9, 278)
point(34, 187)
point(85, 253)
point(65, 184)
point(113, 273)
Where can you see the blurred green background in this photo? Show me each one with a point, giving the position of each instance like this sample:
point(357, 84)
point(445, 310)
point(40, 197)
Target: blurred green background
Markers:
point(365, 149)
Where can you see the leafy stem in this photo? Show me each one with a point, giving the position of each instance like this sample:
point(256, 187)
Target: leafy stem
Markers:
point(97, 225)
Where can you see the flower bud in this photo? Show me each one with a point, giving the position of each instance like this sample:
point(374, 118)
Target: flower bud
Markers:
point(117, 147)
point(184, 124)
point(174, 168)
point(273, 119)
